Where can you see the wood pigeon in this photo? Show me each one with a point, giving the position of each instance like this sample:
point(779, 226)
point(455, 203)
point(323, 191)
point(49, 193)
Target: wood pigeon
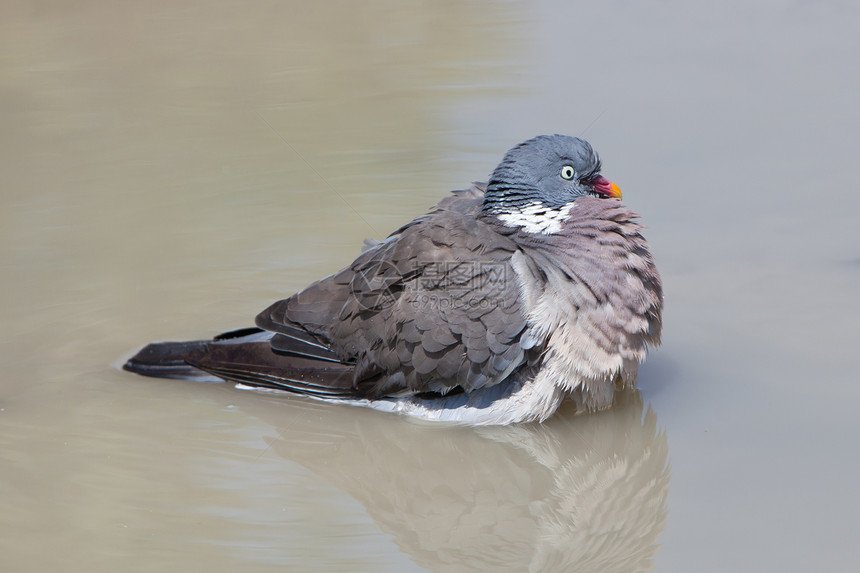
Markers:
point(502, 301)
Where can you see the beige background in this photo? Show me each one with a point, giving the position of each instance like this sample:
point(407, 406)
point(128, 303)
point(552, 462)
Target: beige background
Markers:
point(168, 169)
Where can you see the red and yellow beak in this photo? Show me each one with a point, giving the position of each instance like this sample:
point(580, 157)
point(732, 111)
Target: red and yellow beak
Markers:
point(605, 187)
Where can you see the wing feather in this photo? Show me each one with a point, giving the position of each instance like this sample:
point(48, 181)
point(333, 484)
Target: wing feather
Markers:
point(432, 308)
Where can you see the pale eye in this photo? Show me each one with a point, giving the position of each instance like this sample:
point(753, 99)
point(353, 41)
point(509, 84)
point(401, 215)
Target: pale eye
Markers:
point(567, 172)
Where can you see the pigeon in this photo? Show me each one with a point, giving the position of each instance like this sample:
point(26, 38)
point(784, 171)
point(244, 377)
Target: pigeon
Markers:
point(502, 301)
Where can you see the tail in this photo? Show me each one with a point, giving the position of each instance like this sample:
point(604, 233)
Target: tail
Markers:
point(252, 357)
point(167, 360)
point(170, 359)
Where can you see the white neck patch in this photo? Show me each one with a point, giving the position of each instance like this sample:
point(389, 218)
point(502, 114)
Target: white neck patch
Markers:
point(537, 218)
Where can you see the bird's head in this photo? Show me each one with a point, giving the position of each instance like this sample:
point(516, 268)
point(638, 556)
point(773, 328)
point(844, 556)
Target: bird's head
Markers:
point(547, 172)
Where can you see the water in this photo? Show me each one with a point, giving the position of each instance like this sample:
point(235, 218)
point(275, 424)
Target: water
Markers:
point(167, 170)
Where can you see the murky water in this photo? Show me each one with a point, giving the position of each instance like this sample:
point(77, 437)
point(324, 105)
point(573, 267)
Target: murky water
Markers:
point(169, 169)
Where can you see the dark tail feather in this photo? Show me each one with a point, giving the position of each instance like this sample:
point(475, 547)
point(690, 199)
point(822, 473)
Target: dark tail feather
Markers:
point(167, 360)
point(252, 357)
point(255, 364)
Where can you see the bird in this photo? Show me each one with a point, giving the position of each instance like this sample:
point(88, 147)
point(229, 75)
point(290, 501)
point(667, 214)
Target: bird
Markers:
point(499, 303)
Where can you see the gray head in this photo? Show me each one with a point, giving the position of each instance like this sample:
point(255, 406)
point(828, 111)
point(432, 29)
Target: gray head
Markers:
point(549, 171)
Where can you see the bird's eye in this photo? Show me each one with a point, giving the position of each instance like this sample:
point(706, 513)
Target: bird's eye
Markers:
point(567, 172)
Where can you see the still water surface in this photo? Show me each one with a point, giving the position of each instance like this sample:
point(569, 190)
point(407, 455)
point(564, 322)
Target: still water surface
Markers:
point(168, 169)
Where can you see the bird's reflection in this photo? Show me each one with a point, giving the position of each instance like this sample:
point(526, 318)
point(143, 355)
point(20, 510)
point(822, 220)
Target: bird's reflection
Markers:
point(579, 492)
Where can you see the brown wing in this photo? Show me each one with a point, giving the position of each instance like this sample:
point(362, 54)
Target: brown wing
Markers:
point(433, 308)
